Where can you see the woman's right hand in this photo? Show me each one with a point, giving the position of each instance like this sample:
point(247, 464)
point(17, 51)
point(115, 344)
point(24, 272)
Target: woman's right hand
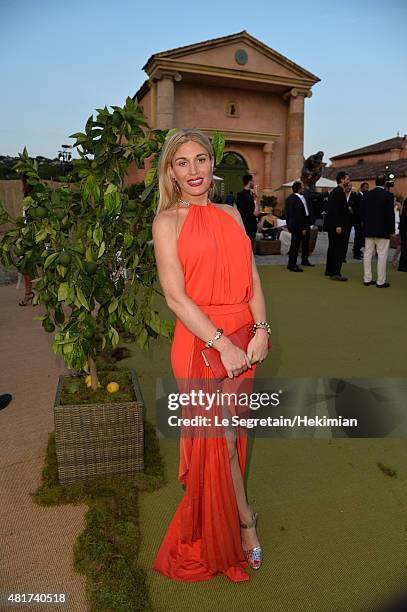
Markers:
point(234, 359)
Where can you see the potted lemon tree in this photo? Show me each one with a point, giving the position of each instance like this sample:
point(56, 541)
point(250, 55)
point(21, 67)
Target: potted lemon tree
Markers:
point(87, 247)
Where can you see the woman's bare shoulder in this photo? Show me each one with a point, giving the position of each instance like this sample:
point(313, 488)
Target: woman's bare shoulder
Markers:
point(232, 211)
point(226, 208)
point(164, 220)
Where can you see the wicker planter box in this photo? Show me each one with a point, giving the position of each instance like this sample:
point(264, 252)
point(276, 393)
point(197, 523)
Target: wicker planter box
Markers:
point(268, 247)
point(99, 439)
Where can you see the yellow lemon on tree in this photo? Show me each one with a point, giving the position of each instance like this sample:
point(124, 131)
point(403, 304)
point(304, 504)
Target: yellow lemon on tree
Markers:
point(112, 387)
point(88, 381)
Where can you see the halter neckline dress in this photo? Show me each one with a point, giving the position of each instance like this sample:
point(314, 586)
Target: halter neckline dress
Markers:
point(204, 537)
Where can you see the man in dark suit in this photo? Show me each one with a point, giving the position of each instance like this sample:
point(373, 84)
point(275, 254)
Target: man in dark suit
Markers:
point(297, 214)
point(356, 203)
point(378, 225)
point(246, 206)
point(403, 238)
point(337, 221)
point(349, 194)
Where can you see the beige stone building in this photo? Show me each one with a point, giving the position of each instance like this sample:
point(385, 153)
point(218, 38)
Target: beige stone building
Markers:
point(241, 87)
point(365, 163)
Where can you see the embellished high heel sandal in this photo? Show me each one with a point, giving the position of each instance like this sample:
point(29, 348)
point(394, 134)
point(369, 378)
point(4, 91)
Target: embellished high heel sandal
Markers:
point(254, 556)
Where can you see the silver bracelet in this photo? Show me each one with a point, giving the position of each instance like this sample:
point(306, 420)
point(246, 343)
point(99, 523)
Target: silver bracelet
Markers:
point(262, 325)
point(218, 334)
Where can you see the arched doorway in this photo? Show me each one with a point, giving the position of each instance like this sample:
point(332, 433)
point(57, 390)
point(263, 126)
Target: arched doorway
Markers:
point(232, 169)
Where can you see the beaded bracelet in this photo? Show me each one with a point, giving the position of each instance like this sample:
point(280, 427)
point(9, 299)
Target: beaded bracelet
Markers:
point(218, 334)
point(263, 325)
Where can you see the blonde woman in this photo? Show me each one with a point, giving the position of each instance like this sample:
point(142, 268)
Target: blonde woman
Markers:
point(210, 281)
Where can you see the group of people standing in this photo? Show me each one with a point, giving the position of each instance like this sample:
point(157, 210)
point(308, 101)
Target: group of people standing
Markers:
point(374, 214)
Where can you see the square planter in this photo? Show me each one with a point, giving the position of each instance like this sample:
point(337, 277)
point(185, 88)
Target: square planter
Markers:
point(268, 247)
point(99, 439)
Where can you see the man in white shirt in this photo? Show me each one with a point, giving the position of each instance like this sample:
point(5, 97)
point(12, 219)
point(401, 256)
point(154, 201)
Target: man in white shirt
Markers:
point(379, 225)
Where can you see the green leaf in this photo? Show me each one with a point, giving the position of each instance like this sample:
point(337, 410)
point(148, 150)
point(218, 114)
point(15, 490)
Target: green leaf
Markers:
point(50, 259)
point(150, 176)
point(167, 328)
point(142, 338)
point(128, 240)
point(63, 292)
point(113, 202)
point(62, 270)
point(110, 188)
point(114, 336)
point(91, 189)
point(65, 341)
point(218, 144)
point(170, 133)
point(102, 249)
point(41, 235)
point(146, 193)
point(154, 322)
point(81, 298)
point(97, 235)
point(67, 349)
point(113, 305)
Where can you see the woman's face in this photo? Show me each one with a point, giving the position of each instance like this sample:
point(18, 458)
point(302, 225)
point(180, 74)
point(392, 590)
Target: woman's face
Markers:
point(191, 167)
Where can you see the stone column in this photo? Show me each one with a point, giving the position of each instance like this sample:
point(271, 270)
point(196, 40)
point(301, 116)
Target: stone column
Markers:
point(268, 153)
point(295, 133)
point(165, 99)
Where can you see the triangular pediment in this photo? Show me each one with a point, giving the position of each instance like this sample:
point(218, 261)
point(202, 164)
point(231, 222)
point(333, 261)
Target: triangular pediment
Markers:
point(239, 52)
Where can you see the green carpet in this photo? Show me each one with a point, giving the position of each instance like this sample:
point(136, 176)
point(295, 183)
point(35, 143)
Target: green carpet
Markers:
point(331, 523)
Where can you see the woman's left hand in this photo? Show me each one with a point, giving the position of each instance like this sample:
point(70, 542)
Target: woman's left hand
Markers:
point(257, 349)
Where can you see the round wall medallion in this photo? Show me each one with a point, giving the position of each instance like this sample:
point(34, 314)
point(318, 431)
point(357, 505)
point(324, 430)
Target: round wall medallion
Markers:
point(241, 57)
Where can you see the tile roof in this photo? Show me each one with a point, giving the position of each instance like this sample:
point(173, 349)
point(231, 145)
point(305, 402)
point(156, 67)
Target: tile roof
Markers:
point(378, 147)
point(368, 170)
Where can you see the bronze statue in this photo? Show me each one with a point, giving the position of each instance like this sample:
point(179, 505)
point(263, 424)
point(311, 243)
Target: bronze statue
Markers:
point(312, 170)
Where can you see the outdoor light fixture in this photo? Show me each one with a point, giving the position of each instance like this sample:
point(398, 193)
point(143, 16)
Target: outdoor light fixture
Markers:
point(64, 157)
point(390, 177)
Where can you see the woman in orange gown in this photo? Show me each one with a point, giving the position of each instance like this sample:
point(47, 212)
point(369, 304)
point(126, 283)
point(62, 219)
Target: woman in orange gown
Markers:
point(210, 281)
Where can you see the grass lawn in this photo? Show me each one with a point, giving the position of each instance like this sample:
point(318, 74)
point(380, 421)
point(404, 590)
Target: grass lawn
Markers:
point(331, 521)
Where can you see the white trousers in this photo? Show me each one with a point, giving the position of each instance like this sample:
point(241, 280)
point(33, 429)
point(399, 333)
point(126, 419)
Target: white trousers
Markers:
point(382, 247)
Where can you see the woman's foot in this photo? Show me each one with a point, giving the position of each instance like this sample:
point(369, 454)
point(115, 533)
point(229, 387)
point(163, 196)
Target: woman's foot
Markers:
point(250, 543)
point(28, 298)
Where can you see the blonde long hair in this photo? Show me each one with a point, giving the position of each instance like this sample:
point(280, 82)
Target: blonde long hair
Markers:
point(168, 193)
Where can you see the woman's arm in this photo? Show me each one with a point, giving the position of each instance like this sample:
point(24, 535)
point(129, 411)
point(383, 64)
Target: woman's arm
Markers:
point(173, 284)
point(257, 348)
point(257, 303)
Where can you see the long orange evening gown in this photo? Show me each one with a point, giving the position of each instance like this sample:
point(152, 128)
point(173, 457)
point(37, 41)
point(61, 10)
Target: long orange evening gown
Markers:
point(204, 538)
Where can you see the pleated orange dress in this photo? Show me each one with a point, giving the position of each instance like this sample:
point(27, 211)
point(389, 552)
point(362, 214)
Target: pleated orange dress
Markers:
point(204, 537)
